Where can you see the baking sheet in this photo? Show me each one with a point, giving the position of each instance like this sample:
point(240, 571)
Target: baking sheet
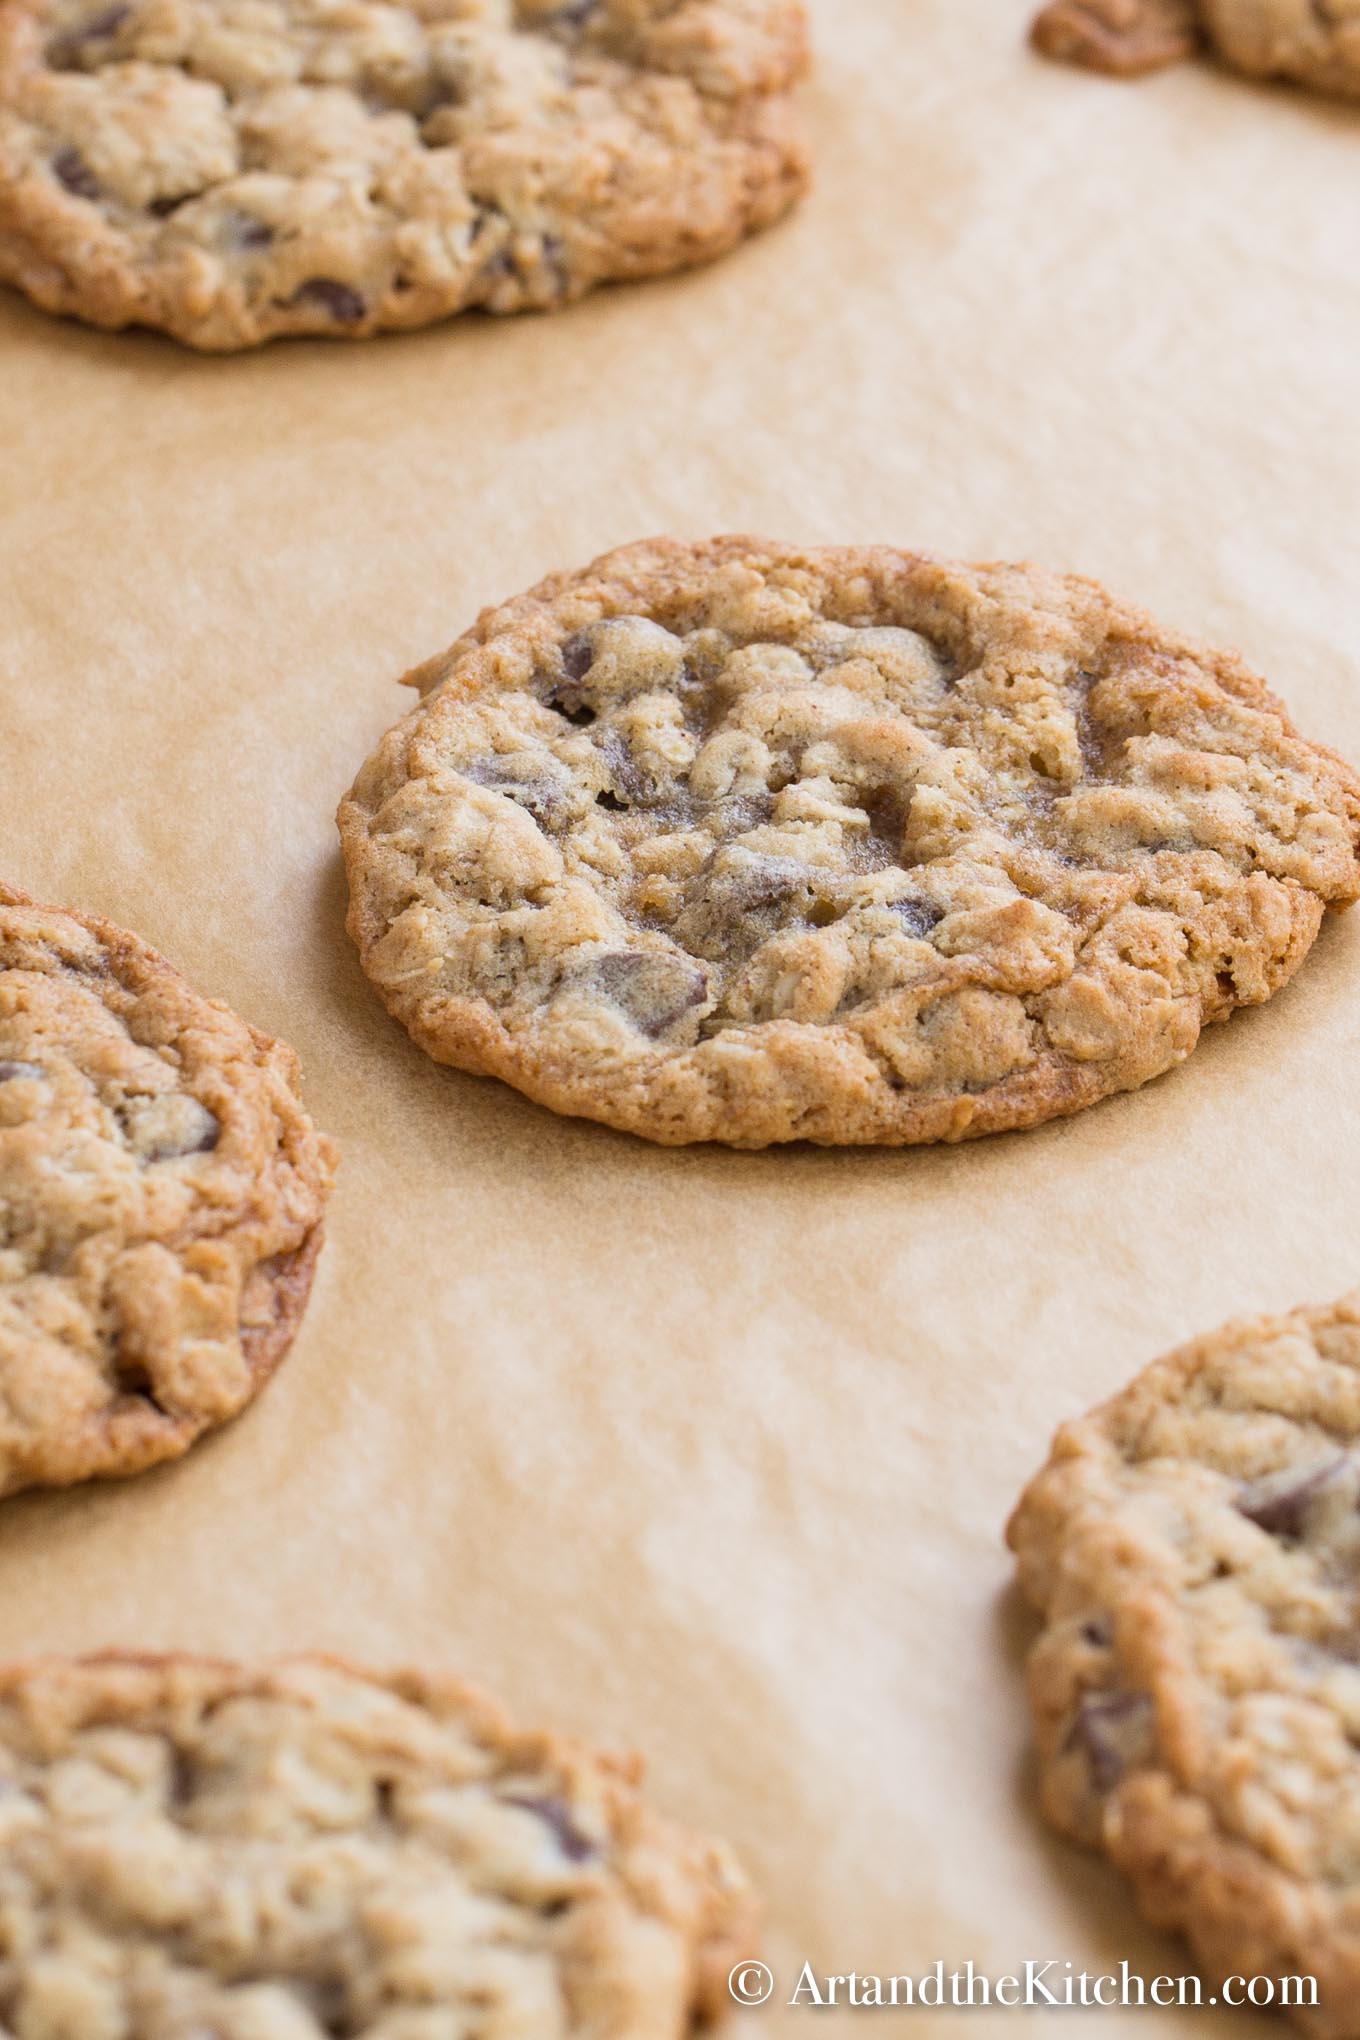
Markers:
point(706, 1452)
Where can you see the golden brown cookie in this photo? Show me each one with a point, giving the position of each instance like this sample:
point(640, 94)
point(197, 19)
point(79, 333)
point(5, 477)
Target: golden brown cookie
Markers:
point(1311, 42)
point(190, 1847)
point(231, 170)
point(738, 842)
point(162, 1193)
point(1194, 1551)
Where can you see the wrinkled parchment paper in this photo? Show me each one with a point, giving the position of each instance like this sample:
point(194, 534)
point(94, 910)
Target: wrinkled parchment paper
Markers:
point(703, 1452)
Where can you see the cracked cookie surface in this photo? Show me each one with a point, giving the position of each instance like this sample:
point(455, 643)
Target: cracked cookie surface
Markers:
point(1194, 1551)
point(161, 1195)
point(302, 1850)
point(233, 170)
point(1311, 42)
point(737, 842)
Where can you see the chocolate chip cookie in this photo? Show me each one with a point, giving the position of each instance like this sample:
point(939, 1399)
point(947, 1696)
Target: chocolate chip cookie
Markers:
point(1194, 1551)
point(231, 170)
point(1313, 42)
point(738, 842)
point(161, 1194)
point(194, 1848)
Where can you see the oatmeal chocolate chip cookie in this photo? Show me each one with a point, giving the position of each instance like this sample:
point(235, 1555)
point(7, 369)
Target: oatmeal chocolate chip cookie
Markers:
point(195, 1848)
point(1313, 42)
point(1194, 1551)
point(161, 1194)
point(231, 170)
point(736, 842)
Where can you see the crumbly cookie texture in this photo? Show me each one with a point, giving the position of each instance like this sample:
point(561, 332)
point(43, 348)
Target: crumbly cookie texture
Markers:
point(1194, 1551)
point(191, 1848)
point(1312, 42)
point(162, 1193)
point(736, 842)
point(231, 170)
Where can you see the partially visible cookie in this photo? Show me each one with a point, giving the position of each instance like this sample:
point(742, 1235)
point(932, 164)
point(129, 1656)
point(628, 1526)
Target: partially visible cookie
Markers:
point(232, 170)
point(1194, 1551)
point(190, 1847)
point(1125, 37)
point(162, 1193)
point(738, 842)
point(1312, 42)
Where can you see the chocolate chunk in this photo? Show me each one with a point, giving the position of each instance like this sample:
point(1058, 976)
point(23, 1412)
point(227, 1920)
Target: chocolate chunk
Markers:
point(10, 1070)
point(341, 300)
point(554, 1814)
point(1281, 1502)
point(1113, 1730)
point(609, 799)
point(72, 171)
point(654, 990)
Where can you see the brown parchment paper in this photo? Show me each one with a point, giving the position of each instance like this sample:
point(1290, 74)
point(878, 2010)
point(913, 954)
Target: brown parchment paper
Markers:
point(701, 1452)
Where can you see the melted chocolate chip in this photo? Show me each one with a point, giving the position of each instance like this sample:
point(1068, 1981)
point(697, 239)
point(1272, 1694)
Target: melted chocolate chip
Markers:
point(654, 990)
point(204, 1145)
point(65, 53)
point(918, 917)
point(170, 1129)
point(578, 656)
point(610, 800)
point(132, 1378)
point(1282, 1501)
point(554, 1814)
point(162, 208)
point(739, 811)
point(887, 813)
point(344, 304)
point(10, 1070)
point(242, 230)
point(72, 171)
point(569, 704)
point(1098, 1632)
point(539, 796)
point(183, 1777)
point(769, 882)
point(1112, 1730)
